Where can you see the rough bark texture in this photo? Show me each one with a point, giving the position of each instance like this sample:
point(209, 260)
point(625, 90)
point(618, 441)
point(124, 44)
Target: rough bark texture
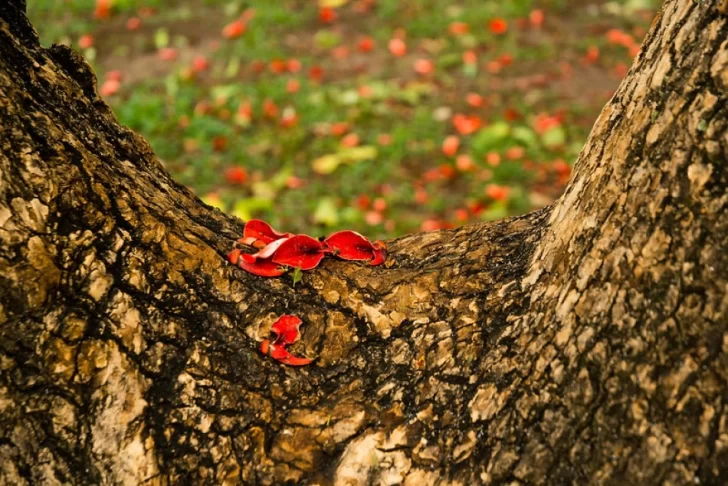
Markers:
point(583, 343)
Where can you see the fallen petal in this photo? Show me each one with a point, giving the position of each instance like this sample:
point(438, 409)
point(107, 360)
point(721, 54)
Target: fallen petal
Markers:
point(270, 249)
point(380, 253)
point(279, 353)
point(257, 231)
point(299, 251)
point(350, 245)
point(286, 329)
point(234, 256)
point(260, 267)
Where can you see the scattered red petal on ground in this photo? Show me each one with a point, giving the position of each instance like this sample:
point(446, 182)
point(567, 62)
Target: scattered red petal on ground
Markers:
point(384, 139)
point(466, 124)
point(379, 205)
point(397, 47)
point(621, 70)
point(424, 66)
point(493, 159)
point(270, 109)
point(459, 28)
point(234, 29)
point(293, 86)
point(277, 66)
point(464, 163)
point(110, 87)
point(511, 114)
point(450, 145)
point(469, 57)
point(366, 44)
point(340, 52)
point(363, 201)
point(365, 91)
point(86, 41)
point(327, 15)
point(592, 54)
point(339, 128)
point(474, 100)
point(236, 175)
point(114, 75)
point(536, 17)
point(515, 153)
point(373, 218)
point(289, 118)
point(294, 182)
point(103, 9)
point(505, 59)
point(498, 26)
point(316, 73)
point(134, 23)
point(421, 196)
point(293, 65)
point(350, 140)
point(219, 143)
point(561, 167)
point(199, 64)
point(167, 53)
point(497, 192)
point(462, 215)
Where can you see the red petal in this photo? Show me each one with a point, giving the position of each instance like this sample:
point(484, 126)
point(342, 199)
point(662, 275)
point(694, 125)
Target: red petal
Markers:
point(279, 353)
point(380, 253)
point(262, 268)
point(265, 346)
point(350, 245)
point(257, 230)
point(234, 256)
point(299, 251)
point(270, 249)
point(286, 329)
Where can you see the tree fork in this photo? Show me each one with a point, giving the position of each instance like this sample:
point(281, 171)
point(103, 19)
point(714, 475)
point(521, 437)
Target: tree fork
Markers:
point(583, 343)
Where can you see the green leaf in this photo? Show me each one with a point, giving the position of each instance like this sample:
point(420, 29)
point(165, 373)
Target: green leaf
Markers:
point(326, 164)
point(161, 38)
point(525, 136)
point(326, 212)
point(491, 137)
point(297, 275)
point(554, 137)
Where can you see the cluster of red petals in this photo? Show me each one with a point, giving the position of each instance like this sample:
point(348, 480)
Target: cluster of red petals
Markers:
point(286, 331)
point(279, 251)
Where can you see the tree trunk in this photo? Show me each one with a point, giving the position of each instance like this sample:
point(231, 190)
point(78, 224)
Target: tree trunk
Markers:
point(583, 343)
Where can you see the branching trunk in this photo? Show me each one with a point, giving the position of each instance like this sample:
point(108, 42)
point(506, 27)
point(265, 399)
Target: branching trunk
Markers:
point(583, 343)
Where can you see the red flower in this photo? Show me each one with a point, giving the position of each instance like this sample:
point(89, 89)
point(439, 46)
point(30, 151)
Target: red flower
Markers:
point(286, 329)
point(86, 41)
point(103, 9)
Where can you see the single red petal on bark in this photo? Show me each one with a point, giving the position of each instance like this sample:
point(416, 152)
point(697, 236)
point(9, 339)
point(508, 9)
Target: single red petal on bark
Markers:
point(380, 253)
point(257, 230)
point(260, 267)
point(350, 245)
point(280, 353)
point(286, 329)
point(299, 251)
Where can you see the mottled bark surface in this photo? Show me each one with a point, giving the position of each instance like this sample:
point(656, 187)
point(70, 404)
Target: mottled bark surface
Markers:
point(583, 343)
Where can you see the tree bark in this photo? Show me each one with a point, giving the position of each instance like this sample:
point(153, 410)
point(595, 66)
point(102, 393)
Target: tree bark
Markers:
point(585, 343)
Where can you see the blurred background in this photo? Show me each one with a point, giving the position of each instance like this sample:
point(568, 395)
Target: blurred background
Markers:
point(383, 116)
